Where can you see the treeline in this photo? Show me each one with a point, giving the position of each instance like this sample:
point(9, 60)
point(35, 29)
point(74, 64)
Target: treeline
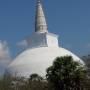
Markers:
point(64, 74)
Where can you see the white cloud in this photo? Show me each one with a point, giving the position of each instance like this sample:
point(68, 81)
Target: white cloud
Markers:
point(23, 44)
point(4, 56)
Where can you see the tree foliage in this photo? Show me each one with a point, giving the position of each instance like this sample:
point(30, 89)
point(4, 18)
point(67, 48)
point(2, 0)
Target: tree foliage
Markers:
point(87, 60)
point(66, 74)
point(87, 63)
point(34, 82)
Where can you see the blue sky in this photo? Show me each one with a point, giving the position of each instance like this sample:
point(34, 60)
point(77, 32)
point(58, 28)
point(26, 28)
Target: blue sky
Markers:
point(70, 19)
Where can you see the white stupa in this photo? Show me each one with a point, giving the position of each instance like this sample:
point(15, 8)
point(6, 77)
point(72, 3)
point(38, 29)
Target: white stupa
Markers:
point(43, 49)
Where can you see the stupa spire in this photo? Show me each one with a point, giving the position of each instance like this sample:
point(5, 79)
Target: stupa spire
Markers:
point(40, 21)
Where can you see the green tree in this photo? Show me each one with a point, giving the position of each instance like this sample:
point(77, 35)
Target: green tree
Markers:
point(36, 82)
point(86, 59)
point(66, 74)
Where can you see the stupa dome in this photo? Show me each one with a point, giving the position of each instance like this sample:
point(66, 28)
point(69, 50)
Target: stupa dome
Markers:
point(42, 51)
point(37, 60)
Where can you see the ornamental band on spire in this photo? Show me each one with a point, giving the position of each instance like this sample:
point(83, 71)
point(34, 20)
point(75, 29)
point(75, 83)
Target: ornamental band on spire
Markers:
point(40, 21)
